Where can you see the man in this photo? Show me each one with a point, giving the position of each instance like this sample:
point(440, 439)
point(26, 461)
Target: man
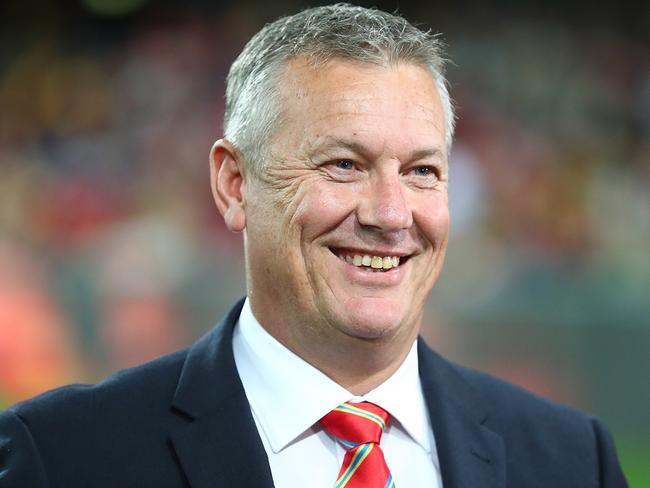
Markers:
point(334, 166)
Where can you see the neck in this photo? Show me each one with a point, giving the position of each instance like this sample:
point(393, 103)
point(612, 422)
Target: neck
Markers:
point(360, 375)
point(357, 364)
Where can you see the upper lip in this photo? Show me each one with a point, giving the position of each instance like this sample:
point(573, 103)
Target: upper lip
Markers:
point(369, 252)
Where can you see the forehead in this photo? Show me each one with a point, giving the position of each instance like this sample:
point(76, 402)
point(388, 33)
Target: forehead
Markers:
point(357, 100)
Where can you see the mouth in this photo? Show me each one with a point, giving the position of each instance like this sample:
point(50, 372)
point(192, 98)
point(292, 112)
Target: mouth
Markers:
point(369, 261)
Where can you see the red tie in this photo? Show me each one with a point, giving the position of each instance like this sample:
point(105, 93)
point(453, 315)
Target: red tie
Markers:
point(358, 426)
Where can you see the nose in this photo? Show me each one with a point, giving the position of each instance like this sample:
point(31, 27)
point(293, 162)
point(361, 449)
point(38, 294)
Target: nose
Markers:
point(384, 205)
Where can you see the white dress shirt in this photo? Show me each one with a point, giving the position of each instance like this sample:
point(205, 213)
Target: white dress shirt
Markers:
point(288, 397)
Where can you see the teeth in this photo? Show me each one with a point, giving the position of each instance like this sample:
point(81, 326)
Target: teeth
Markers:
point(375, 263)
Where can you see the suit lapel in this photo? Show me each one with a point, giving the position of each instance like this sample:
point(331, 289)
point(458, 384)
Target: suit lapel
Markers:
point(470, 453)
point(219, 445)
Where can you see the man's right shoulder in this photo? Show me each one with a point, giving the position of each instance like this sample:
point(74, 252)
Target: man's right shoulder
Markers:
point(129, 389)
point(78, 434)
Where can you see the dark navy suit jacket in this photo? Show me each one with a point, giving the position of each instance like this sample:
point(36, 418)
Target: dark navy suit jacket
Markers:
point(184, 421)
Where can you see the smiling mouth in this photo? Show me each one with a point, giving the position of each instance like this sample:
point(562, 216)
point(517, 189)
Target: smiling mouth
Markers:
point(370, 262)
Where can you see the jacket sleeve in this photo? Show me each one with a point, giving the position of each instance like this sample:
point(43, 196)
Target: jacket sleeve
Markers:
point(610, 472)
point(20, 462)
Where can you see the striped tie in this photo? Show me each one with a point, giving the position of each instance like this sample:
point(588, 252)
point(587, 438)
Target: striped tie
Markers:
point(358, 426)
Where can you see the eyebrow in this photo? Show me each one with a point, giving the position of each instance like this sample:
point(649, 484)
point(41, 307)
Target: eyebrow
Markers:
point(358, 148)
point(337, 143)
point(432, 153)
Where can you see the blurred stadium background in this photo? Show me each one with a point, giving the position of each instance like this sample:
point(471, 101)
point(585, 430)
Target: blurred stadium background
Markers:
point(112, 252)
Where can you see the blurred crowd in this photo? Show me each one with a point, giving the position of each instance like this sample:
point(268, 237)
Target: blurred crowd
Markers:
point(112, 253)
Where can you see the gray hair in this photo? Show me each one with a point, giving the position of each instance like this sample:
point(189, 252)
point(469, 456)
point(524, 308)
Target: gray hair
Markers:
point(339, 31)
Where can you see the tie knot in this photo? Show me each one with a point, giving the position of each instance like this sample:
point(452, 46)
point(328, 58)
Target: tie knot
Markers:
point(356, 423)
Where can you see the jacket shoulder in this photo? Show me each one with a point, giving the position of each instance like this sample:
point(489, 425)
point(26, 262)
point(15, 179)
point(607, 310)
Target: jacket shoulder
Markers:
point(543, 439)
point(139, 387)
point(512, 404)
point(77, 435)
point(132, 405)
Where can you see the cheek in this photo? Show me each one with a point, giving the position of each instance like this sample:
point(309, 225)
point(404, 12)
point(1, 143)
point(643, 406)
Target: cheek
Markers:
point(324, 207)
point(433, 221)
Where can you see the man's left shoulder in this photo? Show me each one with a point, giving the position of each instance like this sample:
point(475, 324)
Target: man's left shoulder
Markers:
point(503, 402)
point(541, 438)
point(514, 406)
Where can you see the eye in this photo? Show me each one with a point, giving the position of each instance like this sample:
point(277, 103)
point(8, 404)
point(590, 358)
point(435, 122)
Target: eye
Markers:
point(342, 170)
point(424, 176)
point(424, 171)
point(344, 164)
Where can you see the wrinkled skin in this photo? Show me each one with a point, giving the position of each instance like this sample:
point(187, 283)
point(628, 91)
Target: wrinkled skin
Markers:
point(357, 166)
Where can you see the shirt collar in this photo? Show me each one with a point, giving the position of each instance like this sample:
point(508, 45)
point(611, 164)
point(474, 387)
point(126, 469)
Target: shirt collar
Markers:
point(401, 395)
point(288, 395)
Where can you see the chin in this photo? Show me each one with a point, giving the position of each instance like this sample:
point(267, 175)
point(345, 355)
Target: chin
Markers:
point(369, 321)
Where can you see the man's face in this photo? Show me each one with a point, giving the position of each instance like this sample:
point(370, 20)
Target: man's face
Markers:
point(356, 174)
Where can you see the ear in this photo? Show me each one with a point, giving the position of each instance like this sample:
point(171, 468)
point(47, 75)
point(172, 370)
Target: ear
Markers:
point(228, 183)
